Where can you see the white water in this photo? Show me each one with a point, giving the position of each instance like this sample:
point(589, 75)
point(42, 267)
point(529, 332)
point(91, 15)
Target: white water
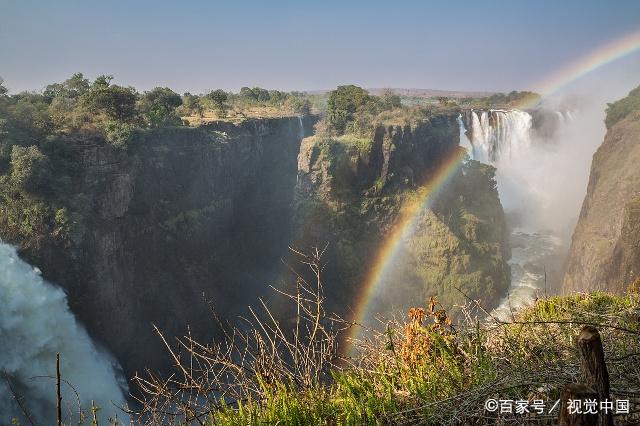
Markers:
point(530, 253)
point(464, 140)
point(35, 325)
point(506, 140)
point(300, 128)
point(500, 135)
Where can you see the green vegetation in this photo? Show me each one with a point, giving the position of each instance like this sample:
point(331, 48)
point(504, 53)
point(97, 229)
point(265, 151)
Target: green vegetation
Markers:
point(620, 109)
point(219, 99)
point(459, 244)
point(422, 369)
point(513, 99)
point(159, 107)
point(40, 134)
point(343, 104)
point(422, 372)
point(458, 247)
point(352, 110)
point(249, 102)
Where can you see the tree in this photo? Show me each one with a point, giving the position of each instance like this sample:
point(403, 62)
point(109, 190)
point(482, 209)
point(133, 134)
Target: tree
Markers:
point(27, 119)
point(191, 104)
point(159, 106)
point(117, 102)
point(258, 94)
point(103, 80)
point(262, 95)
point(343, 104)
point(219, 98)
point(247, 93)
point(3, 89)
point(276, 96)
point(30, 169)
point(301, 106)
point(390, 100)
point(71, 88)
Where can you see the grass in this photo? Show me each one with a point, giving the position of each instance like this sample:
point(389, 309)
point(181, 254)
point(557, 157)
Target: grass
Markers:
point(240, 114)
point(361, 144)
point(424, 369)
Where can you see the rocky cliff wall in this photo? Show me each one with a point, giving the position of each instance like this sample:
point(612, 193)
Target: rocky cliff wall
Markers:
point(349, 194)
point(605, 248)
point(186, 216)
point(183, 216)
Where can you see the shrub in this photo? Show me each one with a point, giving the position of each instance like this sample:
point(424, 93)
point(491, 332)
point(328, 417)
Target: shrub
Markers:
point(116, 102)
point(159, 106)
point(117, 133)
point(343, 104)
point(30, 169)
point(618, 110)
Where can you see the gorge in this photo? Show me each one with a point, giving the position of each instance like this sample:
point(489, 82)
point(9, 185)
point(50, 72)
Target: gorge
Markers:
point(188, 218)
point(517, 142)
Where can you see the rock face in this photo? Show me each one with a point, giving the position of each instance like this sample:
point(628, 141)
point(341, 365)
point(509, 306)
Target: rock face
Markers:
point(605, 249)
point(350, 192)
point(181, 217)
point(189, 215)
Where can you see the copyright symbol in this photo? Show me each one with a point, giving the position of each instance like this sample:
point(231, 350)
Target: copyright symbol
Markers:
point(491, 405)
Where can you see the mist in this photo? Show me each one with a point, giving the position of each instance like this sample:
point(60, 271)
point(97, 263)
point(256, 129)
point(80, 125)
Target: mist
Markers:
point(542, 188)
point(35, 325)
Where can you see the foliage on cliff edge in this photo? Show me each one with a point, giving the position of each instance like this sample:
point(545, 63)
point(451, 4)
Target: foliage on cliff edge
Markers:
point(422, 368)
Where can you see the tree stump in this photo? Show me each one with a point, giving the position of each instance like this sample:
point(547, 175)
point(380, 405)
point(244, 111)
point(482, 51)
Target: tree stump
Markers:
point(594, 368)
point(576, 391)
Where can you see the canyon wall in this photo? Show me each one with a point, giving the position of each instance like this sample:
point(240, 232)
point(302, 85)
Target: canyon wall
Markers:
point(350, 192)
point(605, 248)
point(180, 218)
point(186, 216)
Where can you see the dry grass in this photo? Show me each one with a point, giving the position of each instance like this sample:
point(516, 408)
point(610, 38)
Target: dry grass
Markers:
point(238, 114)
point(422, 369)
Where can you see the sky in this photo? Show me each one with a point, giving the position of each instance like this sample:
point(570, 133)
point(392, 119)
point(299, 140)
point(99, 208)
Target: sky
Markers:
point(201, 45)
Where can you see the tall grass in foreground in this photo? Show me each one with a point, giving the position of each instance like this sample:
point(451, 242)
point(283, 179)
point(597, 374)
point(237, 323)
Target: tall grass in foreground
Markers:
point(422, 369)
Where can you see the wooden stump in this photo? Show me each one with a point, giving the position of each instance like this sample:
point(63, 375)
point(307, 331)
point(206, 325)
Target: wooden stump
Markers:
point(576, 391)
point(594, 368)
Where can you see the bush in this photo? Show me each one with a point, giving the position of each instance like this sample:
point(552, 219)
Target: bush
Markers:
point(219, 99)
point(116, 102)
point(618, 110)
point(343, 104)
point(159, 106)
point(117, 133)
point(30, 169)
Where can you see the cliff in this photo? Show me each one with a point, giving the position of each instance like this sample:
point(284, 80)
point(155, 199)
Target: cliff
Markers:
point(350, 191)
point(149, 233)
point(183, 216)
point(605, 248)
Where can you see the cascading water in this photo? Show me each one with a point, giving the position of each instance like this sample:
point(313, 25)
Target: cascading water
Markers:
point(503, 138)
point(300, 128)
point(464, 140)
point(498, 134)
point(35, 325)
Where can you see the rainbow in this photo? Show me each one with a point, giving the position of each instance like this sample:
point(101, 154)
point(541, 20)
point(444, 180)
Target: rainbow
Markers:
point(411, 211)
point(402, 229)
point(597, 58)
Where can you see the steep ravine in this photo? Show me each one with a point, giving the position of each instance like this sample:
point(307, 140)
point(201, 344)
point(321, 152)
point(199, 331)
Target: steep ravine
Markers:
point(184, 216)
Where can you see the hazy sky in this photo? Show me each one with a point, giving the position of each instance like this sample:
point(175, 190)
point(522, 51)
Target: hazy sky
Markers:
point(200, 45)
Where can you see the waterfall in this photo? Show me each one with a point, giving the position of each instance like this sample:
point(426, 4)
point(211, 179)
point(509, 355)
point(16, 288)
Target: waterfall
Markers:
point(499, 134)
point(35, 325)
point(506, 140)
point(300, 128)
point(464, 140)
